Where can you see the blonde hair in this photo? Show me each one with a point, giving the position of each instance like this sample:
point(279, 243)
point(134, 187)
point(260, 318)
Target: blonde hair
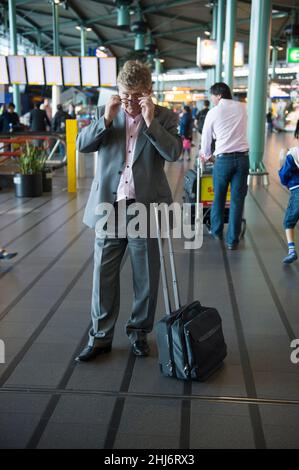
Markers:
point(135, 75)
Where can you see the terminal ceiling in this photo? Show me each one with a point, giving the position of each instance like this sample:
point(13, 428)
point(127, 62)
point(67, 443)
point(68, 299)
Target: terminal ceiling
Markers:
point(175, 26)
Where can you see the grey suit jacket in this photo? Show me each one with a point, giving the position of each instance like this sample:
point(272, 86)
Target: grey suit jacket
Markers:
point(154, 145)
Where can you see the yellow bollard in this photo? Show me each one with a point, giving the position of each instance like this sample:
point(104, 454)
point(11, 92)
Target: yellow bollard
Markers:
point(71, 136)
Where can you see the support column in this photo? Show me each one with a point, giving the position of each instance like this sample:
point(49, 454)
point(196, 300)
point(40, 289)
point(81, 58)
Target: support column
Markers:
point(39, 38)
point(210, 80)
point(260, 33)
point(230, 31)
point(56, 51)
point(220, 39)
point(56, 93)
point(14, 49)
point(55, 13)
point(83, 41)
point(274, 61)
point(158, 71)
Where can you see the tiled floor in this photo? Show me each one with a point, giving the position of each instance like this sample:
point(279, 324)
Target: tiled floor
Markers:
point(49, 401)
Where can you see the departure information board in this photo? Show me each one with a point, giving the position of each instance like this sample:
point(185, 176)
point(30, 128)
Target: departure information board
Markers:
point(90, 71)
point(53, 70)
point(16, 66)
point(56, 70)
point(4, 79)
point(108, 71)
point(71, 71)
point(35, 70)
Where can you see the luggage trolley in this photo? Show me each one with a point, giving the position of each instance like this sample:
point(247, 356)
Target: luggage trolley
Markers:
point(203, 193)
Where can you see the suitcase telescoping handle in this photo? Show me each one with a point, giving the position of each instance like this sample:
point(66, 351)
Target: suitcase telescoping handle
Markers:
point(162, 261)
point(199, 171)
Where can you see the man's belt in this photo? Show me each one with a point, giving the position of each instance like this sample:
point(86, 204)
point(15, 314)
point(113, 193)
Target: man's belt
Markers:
point(233, 154)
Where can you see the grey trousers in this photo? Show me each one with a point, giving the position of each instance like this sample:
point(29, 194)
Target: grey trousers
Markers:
point(108, 254)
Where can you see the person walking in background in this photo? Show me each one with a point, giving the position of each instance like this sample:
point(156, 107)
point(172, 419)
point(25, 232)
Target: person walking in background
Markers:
point(269, 119)
point(59, 125)
point(71, 111)
point(9, 120)
point(38, 119)
point(227, 122)
point(186, 148)
point(194, 111)
point(289, 176)
point(48, 108)
point(186, 126)
point(201, 116)
point(58, 122)
point(186, 123)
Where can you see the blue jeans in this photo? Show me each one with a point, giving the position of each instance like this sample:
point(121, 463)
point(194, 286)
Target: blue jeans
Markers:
point(292, 213)
point(233, 170)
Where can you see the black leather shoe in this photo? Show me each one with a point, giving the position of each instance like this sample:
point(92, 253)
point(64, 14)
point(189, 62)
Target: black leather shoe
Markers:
point(141, 348)
point(91, 352)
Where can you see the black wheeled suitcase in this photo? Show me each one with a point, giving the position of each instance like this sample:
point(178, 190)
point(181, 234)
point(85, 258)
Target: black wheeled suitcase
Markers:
point(190, 340)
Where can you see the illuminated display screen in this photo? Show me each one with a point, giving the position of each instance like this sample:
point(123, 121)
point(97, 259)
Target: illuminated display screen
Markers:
point(35, 70)
point(16, 66)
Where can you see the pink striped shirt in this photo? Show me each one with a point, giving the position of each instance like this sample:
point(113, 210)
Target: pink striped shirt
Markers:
point(126, 188)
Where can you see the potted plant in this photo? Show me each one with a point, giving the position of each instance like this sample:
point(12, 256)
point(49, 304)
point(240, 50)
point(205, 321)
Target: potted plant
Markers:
point(28, 182)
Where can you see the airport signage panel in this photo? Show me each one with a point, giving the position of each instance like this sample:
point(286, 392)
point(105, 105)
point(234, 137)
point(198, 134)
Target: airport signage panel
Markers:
point(35, 70)
point(16, 67)
point(108, 73)
point(71, 71)
point(4, 78)
point(53, 70)
point(239, 54)
point(293, 55)
point(90, 71)
point(206, 53)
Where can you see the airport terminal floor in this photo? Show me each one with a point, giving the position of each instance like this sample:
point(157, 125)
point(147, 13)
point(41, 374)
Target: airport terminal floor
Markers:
point(47, 400)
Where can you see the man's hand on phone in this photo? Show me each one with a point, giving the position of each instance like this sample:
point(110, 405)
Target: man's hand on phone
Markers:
point(112, 109)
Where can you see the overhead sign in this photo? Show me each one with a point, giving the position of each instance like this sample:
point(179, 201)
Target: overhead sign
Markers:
point(293, 55)
point(56, 70)
point(4, 80)
point(71, 71)
point(16, 66)
point(207, 53)
point(90, 71)
point(108, 71)
point(53, 70)
point(35, 70)
point(239, 54)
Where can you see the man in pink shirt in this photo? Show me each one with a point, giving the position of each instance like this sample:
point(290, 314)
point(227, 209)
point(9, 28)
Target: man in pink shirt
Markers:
point(133, 138)
point(227, 124)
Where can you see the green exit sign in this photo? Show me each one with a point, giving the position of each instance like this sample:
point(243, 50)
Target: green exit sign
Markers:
point(293, 55)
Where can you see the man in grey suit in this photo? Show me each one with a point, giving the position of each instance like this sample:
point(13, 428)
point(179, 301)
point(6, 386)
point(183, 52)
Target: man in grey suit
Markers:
point(133, 138)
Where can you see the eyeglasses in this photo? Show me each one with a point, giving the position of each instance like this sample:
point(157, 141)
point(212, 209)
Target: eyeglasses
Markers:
point(131, 100)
